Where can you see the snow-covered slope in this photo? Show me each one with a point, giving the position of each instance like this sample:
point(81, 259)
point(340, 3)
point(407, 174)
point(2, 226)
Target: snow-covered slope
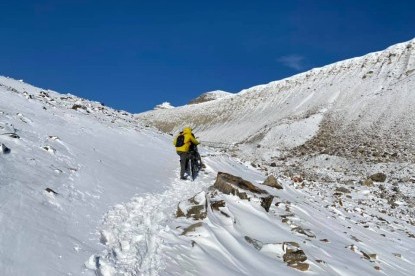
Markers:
point(360, 100)
point(88, 190)
point(92, 157)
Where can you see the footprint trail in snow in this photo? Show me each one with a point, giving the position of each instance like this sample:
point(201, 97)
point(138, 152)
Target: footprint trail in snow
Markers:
point(132, 232)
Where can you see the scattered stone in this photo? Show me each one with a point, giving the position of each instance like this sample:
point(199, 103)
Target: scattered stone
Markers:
point(192, 228)
point(273, 164)
point(49, 190)
point(256, 243)
point(305, 232)
point(215, 205)
point(297, 179)
point(352, 247)
point(321, 261)
point(271, 181)
point(397, 255)
point(343, 190)
point(325, 240)
point(78, 106)
point(370, 257)
point(355, 239)
point(266, 202)
point(378, 177)
point(377, 268)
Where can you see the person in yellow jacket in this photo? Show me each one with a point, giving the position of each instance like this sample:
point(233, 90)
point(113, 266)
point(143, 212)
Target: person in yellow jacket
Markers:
point(183, 143)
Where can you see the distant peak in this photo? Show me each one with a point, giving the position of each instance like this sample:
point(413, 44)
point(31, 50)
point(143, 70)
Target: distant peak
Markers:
point(164, 105)
point(211, 96)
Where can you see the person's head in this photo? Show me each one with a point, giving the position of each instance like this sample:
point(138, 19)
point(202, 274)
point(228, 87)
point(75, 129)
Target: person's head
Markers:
point(187, 130)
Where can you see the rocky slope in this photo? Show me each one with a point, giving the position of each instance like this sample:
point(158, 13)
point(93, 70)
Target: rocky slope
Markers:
point(358, 108)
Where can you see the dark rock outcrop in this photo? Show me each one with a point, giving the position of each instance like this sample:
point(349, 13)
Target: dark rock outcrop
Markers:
point(230, 184)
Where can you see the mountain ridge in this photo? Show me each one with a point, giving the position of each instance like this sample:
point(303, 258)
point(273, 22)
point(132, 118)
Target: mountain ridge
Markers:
point(372, 91)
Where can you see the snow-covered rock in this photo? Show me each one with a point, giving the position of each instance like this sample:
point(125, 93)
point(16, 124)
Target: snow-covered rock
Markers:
point(211, 96)
point(164, 105)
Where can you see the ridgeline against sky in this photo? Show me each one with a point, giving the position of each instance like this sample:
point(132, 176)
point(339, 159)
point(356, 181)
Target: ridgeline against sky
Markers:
point(133, 55)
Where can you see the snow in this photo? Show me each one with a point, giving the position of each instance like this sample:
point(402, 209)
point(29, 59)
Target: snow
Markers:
point(88, 190)
point(164, 105)
point(363, 93)
point(211, 96)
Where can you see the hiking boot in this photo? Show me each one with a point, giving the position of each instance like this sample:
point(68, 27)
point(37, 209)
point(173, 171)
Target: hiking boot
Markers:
point(183, 178)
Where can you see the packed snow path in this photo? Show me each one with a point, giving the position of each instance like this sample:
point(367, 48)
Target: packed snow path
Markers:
point(132, 232)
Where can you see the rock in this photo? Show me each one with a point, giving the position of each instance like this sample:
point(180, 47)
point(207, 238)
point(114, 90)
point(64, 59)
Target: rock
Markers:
point(179, 212)
point(271, 181)
point(294, 256)
point(297, 179)
point(302, 231)
point(194, 207)
point(229, 184)
point(217, 204)
point(378, 177)
point(78, 106)
point(266, 202)
point(370, 257)
point(368, 182)
point(256, 243)
point(197, 212)
point(192, 228)
point(49, 190)
point(273, 164)
point(343, 190)
point(300, 266)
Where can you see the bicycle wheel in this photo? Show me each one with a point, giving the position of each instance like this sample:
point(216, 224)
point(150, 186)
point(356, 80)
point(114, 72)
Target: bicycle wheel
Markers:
point(194, 168)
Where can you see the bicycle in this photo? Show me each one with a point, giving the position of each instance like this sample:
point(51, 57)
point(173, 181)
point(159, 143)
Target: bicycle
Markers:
point(194, 163)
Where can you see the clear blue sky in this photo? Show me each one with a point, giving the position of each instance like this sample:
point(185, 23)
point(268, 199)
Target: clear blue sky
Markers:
point(133, 55)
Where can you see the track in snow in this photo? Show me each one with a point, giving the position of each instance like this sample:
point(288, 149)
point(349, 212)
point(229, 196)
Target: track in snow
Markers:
point(132, 232)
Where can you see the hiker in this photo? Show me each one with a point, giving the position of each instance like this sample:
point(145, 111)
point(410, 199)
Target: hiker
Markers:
point(183, 143)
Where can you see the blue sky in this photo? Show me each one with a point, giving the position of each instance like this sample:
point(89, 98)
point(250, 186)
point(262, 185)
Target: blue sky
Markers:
point(133, 55)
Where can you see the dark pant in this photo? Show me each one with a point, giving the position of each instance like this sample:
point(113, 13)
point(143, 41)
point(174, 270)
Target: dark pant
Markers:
point(184, 158)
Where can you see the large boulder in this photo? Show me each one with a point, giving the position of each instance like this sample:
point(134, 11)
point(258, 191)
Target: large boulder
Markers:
point(230, 184)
